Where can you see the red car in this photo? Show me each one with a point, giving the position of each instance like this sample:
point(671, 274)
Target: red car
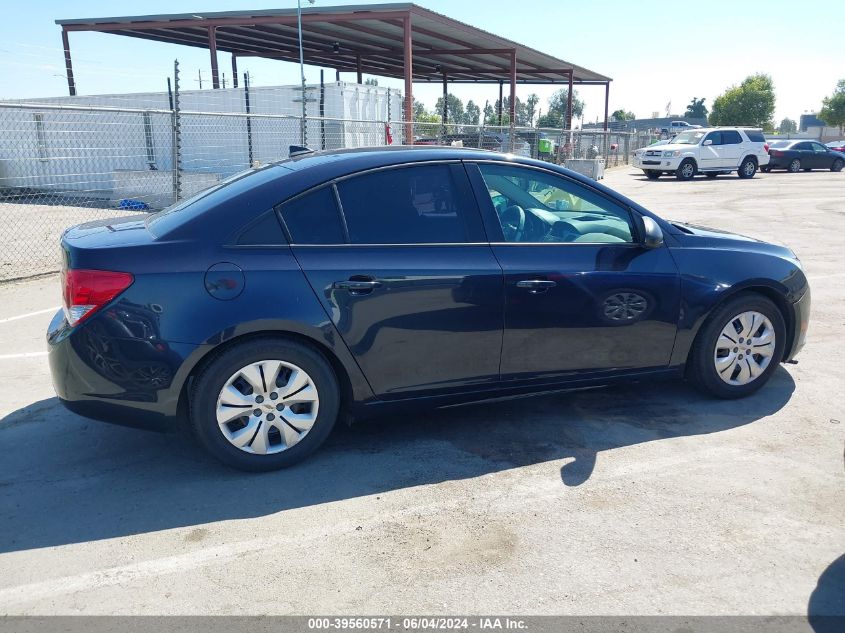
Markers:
point(837, 146)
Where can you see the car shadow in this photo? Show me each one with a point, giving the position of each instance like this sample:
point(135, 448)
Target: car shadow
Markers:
point(826, 609)
point(65, 479)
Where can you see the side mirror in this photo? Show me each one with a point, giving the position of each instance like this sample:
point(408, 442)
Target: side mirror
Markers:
point(653, 234)
point(707, 142)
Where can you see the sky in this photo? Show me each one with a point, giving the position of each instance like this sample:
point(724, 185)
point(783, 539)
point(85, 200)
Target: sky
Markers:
point(657, 52)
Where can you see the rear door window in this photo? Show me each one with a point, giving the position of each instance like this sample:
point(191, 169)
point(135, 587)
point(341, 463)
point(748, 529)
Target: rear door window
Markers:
point(731, 137)
point(313, 218)
point(421, 204)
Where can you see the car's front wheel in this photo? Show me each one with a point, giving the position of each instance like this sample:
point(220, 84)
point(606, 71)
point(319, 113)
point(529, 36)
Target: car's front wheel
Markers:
point(738, 348)
point(837, 165)
point(686, 170)
point(264, 404)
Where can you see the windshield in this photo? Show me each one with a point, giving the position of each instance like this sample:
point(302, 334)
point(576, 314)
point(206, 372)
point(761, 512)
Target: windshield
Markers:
point(836, 144)
point(692, 137)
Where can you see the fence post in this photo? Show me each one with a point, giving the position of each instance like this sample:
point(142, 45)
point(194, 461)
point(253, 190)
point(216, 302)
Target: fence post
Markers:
point(177, 136)
point(248, 120)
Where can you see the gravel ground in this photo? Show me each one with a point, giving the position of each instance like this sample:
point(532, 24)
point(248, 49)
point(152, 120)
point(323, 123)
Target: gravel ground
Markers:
point(645, 499)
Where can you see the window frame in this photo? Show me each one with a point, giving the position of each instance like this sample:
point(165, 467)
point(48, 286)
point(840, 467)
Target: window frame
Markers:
point(476, 235)
point(494, 228)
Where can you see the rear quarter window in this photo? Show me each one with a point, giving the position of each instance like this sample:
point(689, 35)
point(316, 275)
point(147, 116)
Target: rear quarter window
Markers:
point(755, 136)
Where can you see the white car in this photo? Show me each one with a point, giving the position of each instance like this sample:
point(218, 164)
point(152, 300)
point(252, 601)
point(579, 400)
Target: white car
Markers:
point(708, 151)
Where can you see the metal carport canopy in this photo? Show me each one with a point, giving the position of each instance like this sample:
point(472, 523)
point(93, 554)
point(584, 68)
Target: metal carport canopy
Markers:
point(380, 39)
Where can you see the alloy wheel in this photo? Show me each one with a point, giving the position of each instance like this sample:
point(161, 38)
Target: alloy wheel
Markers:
point(267, 406)
point(745, 348)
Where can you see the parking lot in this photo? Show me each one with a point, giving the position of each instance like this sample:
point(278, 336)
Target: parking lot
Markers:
point(644, 499)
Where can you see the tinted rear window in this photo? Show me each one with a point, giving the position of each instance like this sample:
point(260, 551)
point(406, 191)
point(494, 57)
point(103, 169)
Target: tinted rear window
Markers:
point(408, 205)
point(731, 137)
point(313, 218)
point(756, 136)
point(178, 214)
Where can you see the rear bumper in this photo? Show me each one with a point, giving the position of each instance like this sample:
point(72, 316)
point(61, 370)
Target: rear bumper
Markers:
point(120, 380)
point(801, 319)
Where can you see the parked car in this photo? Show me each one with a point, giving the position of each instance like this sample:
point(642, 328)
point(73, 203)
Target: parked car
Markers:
point(796, 155)
point(341, 284)
point(837, 146)
point(676, 127)
point(639, 152)
point(709, 151)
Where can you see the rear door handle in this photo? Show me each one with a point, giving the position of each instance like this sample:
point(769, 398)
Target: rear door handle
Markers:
point(357, 286)
point(536, 286)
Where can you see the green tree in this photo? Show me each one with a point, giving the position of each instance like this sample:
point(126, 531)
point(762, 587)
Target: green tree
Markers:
point(530, 109)
point(472, 113)
point(833, 107)
point(623, 115)
point(555, 116)
point(454, 109)
point(751, 103)
point(422, 115)
point(696, 109)
point(787, 126)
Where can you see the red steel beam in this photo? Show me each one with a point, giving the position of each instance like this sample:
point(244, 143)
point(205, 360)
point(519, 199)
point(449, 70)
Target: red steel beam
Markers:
point(234, 70)
point(409, 79)
point(606, 101)
point(569, 104)
point(513, 92)
point(71, 83)
point(212, 49)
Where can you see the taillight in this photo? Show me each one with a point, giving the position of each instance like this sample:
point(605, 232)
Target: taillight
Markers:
point(775, 152)
point(86, 291)
point(765, 147)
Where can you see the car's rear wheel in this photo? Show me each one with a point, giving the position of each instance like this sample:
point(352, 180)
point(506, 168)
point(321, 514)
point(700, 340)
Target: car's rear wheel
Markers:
point(837, 165)
point(652, 174)
point(748, 168)
point(686, 170)
point(795, 166)
point(264, 404)
point(738, 348)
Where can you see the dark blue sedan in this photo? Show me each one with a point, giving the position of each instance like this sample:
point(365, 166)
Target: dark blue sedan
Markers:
point(338, 284)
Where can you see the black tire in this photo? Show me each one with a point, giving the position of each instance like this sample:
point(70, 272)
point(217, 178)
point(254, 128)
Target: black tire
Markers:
point(747, 168)
point(210, 381)
point(686, 170)
point(837, 165)
point(701, 369)
point(652, 174)
point(794, 166)
point(711, 174)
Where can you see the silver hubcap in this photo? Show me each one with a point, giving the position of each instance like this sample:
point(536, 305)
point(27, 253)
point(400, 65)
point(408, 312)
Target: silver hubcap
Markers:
point(687, 170)
point(267, 407)
point(749, 168)
point(796, 165)
point(744, 348)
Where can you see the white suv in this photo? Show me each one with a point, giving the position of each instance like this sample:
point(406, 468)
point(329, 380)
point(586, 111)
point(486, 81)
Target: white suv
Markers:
point(709, 151)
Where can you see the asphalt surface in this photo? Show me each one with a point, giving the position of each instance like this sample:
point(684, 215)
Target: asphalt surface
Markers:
point(644, 499)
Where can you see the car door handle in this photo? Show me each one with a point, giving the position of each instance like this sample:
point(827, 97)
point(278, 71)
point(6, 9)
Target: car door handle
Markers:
point(357, 286)
point(536, 286)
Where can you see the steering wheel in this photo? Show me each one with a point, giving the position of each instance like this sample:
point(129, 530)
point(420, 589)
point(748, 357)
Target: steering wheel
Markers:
point(513, 223)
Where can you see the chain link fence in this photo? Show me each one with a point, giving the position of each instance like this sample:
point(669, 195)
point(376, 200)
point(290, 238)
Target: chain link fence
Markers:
point(62, 165)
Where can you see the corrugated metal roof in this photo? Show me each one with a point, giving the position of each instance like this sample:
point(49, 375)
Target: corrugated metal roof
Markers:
point(353, 36)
